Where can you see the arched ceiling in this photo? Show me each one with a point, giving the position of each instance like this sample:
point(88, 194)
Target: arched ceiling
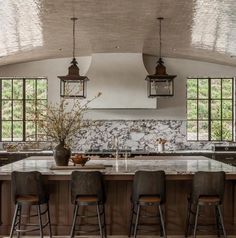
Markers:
point(195, 29)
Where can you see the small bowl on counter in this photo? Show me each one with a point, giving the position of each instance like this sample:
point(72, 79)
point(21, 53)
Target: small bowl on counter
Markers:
point(79, 159)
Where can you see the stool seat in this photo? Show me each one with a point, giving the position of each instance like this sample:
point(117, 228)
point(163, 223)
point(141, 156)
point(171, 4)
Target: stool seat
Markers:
point(148, 191)
point(29, 199)
point(209, 200)
point(87, 189)
point(150, 199)
point(87, 199)
point(208, 192)
point(29, 190)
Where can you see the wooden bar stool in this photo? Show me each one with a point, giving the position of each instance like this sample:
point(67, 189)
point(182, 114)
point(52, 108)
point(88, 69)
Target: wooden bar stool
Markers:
point(207, 190)
point(28, 190)
point(87, 189)
point(148, 190)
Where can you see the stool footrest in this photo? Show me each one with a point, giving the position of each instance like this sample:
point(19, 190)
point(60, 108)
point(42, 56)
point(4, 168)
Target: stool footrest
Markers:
point(27, 230)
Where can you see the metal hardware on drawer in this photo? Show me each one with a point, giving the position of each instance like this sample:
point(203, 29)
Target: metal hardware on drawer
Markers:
point(229, 158)
point(4, 159)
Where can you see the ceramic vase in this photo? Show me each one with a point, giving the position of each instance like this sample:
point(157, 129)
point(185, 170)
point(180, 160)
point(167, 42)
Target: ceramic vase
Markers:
point(62, 154)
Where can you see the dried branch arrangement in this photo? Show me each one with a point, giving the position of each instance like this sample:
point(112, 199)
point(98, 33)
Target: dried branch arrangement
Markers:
point(61, 121)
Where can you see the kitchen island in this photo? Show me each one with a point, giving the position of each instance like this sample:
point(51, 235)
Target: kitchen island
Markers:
point(118, 175)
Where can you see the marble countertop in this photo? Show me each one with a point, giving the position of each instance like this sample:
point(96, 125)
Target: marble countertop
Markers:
point(176, 165)
point(167, 152)
point(48, 152)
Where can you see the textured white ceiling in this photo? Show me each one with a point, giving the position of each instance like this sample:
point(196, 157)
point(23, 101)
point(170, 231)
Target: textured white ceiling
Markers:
point(41, 29)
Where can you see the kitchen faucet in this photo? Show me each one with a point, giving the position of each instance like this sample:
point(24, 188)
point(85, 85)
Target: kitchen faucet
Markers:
point(116, 142)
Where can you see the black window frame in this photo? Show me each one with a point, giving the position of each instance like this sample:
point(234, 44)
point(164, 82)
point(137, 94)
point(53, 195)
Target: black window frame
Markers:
point(24, 99)
point(209, 99)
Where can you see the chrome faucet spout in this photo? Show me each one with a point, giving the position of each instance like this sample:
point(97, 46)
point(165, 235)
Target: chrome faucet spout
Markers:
point(116, 142)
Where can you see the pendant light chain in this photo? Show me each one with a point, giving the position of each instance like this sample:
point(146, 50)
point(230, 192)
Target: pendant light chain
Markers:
point(160, 19)
point(74, 19)
point(74, 38)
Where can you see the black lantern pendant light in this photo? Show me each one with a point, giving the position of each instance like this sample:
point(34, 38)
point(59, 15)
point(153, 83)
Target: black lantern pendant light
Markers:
point(160, 84)
point(73, 85)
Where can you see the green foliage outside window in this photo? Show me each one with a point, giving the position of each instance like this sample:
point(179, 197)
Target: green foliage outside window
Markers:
point(21, 98)
point(210, 109)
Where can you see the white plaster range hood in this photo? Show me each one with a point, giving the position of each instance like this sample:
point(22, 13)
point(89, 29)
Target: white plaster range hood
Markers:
point(121, 79)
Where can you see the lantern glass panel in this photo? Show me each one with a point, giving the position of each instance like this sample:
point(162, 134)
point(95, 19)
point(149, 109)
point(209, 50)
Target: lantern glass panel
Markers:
point(73, 88)
point(161, 88)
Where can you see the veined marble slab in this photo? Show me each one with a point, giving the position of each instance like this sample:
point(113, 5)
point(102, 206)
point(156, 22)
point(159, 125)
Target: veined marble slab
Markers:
point(172, 165)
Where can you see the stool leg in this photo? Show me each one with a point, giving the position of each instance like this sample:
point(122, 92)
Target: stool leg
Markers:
point(217, 221)
point(14, 221)
point(195, 223)
point(76, 208)
point(104, 221)
point(137, 221)
point(221, 220)
point(99, 221)
point(162, 221)
point(188, 219)
point(19, 221)
point(131, 221)
point(49, 221)
point(160, 224)
point(40, 221)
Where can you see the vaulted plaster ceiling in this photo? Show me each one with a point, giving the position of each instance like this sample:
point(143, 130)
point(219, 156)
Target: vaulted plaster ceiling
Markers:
point(195, 29)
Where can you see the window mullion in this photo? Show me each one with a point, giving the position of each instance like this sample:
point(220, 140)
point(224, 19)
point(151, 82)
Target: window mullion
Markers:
point(221, 107)
point(24, 110)
point(197, 110)
point(36, 104)
point(1, 110)
point(209, 109)
point(12, 110)
point(233, 108)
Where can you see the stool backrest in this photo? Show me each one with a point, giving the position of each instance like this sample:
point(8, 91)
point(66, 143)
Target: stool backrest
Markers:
point(28, 183)
point(208, 184)
point(149, 183)
point(87, 184)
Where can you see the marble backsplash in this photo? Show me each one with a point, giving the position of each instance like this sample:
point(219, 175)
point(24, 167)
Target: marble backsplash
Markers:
point(131, 134)
point(137, 135)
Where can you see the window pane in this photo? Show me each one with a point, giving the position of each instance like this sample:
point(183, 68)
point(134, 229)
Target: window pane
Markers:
point(221, 109)
point(30, 88)
point(227, 130)
point(14, 105)
point(203, 109)
point(216, 88)
point(17, 110)
point(6, 130)
point(216, 130)
point(192, 109)
point(6, 89)
point(227, 88)
point(17, 130)
point(42, 89)
point(6, 110)
point(215, 109)
point(41, 133)
point(17, 89)
point(41, 108)
point(203, 130)
point(30, 109)
point(202, 88)
point(30, 131)
point(227, 109)
point(192, 130)
point(191, 88)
